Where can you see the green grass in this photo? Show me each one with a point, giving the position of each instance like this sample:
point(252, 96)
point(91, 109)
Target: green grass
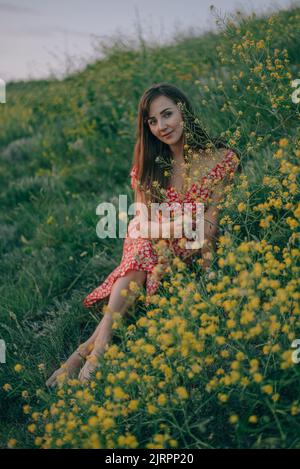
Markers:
point(66, 146)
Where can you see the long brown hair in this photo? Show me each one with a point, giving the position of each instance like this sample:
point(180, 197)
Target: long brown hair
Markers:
point(150, 153)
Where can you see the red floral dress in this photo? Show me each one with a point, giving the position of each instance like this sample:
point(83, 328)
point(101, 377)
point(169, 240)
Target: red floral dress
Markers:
point(139, 253)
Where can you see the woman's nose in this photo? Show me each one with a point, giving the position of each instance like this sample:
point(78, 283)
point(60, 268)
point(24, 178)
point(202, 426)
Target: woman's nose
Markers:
point(161, 125)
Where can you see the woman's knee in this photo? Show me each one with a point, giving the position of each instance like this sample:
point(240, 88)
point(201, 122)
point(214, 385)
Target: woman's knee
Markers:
point(138, 276)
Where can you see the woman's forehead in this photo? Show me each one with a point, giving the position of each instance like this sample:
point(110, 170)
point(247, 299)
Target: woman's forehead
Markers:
point(159, 104)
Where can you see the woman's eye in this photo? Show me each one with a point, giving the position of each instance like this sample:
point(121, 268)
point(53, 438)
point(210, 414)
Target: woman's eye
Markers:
point(167, 114)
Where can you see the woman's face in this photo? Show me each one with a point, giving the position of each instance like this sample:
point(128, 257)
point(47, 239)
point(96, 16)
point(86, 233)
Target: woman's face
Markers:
point(165, 120)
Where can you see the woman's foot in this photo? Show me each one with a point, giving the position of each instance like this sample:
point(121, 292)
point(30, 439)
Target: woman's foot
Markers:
point(88, 368)
point(70, 368)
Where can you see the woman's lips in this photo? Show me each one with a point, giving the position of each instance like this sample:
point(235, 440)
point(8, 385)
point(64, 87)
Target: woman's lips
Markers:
point(167, 135)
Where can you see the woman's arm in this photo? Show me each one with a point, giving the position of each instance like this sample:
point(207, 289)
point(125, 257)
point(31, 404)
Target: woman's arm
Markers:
point(211, 226)
point(156, 230)
point(211, 215)
point(210, 235)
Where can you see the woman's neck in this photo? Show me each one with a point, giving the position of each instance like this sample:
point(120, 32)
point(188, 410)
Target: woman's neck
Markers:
point(178, 161)
point(177, 152)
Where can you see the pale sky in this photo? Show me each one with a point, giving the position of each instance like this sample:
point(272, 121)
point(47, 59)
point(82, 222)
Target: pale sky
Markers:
point(37, 36)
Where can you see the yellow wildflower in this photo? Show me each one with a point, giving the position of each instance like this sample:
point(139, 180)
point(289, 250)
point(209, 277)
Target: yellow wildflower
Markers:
point(182, 392)
point(233, 419)
point(283, 142)
point(252, 419)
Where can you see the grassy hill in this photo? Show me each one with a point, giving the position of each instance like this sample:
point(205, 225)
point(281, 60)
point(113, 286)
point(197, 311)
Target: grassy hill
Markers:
point(209, 363)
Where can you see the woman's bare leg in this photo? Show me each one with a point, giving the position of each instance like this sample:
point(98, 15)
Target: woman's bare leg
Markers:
point(73, 364)
point(117, 303)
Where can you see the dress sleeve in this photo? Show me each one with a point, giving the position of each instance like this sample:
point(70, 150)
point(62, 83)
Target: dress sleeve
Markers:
point(226, 169)
point(223, 175)
point(231, 165)
point(133, 175)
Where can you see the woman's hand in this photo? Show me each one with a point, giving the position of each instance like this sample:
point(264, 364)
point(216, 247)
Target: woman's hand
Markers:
point(206, 253)
point(206, 264)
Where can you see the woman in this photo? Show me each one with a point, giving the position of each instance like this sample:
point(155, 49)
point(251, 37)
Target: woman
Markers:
point(175, 161)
